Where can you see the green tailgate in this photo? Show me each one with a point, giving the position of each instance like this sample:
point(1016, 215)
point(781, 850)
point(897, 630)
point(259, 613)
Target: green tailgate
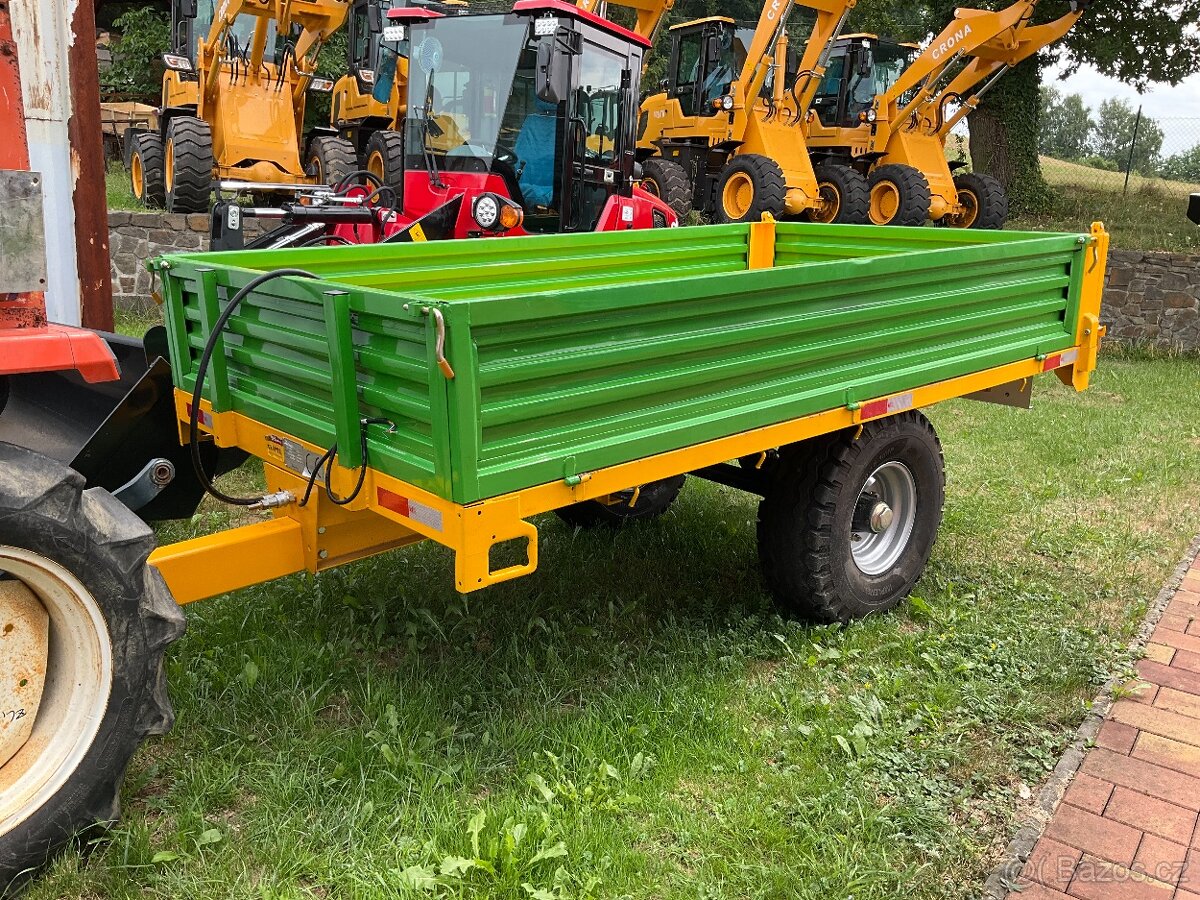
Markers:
point(574, 352)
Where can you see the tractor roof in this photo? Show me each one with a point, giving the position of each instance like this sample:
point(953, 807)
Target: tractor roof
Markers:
point(875, 37)
point(559, 7)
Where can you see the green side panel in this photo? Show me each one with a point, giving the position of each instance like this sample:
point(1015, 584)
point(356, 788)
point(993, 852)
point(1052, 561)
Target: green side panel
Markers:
point(574, 352)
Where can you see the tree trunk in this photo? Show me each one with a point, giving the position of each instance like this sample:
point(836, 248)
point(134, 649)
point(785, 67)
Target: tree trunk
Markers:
point(1004, 137)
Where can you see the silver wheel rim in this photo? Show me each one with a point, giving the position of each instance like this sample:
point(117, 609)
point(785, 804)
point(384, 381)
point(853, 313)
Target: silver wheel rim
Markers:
point(877, 551)
point(79, 671)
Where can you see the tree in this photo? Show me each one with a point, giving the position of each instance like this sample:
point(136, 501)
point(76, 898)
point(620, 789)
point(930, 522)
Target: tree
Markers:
point(1183, 166)
point(1115, 122)
point(136, 71)
point(1067, 125)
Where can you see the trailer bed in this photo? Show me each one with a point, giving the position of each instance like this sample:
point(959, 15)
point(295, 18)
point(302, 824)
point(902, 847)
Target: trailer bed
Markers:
point(572, 353)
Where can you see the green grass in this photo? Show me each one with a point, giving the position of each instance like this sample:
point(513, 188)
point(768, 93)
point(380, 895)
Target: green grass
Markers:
point(116, 185)
point(1151, 216)
point(633, 720)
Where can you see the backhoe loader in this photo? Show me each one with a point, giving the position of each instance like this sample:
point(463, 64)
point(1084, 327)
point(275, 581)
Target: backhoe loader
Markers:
point(726, 137)
point(233, 101)
point(887, 109)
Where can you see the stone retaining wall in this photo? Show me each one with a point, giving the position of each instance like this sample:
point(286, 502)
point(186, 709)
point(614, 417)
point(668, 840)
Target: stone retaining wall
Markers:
point(134, 237)
point(1153, 298)
point(1148, 297)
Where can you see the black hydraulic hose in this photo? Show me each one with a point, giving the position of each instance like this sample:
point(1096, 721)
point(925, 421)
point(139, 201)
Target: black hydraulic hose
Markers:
point(365, 174)
point(326, 460)
point(202, 370)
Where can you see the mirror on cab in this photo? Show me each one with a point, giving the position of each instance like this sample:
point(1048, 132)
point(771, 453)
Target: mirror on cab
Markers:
point(187, 9)
point(552, 73)
point(374, 18)
point(866, 60)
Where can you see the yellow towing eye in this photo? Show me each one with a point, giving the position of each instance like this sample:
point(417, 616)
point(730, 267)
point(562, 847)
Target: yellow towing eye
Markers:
point(24, 647)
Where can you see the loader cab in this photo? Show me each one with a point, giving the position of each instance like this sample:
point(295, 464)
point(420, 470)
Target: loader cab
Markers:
point(707, 56)
point(860, 68)
point(537, 106)
point(191, 20)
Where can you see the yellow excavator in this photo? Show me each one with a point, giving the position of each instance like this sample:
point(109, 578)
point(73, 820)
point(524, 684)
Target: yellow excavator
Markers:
point(887, 109)
point(726, 136)
point(233, 102)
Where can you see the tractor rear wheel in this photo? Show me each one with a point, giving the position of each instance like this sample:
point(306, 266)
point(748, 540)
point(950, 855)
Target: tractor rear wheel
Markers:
point(848, 523)
point(83, 625)
point(750, 185)
point(639, 504)
point(385, 158)
point(984, 203)
point(899, 196)
point(331, 159)
point(146, 169)
point(845, 196)
point(188, 165)
point(668, 181)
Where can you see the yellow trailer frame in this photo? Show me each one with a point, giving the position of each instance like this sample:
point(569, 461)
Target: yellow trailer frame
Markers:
point(390, 513)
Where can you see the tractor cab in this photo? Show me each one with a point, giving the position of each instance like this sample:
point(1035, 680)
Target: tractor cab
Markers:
point(860, 68)
point(525, 122)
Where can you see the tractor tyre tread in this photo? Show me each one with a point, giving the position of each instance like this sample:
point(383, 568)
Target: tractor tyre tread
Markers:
point(770, 189)
point(854, 207)
point(191, 142)
point(993, 201)
point(913, 188)
point(45, 508)
point(798, 531)
point(390, 146)
point(672, 184)
point(334, 159)
point(149, 148)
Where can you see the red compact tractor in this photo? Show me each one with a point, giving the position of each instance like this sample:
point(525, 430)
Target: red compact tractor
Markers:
point(516, 123)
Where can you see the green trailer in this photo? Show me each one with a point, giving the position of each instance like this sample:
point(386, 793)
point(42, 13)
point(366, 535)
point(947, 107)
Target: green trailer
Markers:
point(455, 391)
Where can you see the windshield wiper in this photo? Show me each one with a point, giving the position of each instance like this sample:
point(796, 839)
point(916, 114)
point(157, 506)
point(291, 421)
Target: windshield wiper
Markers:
point(428, 127)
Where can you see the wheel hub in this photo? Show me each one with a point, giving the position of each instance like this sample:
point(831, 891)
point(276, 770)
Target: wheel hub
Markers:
point(24, 646)
point(883, 519)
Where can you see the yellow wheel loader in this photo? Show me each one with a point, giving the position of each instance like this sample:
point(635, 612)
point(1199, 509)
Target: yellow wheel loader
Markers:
point(368, 105)
point(887, 108)
point(233, 101)
point(726, 136)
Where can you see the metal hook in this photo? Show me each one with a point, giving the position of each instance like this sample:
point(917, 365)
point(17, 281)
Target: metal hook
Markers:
point(439, 347)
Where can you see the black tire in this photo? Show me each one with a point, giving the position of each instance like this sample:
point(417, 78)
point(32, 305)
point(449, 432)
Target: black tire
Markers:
point(652, 501)
point(846, 196)
point(908, 196)
point(47, 517)
point(750, 185)
point(986, 204)
point(189, 165)
point(668, 181)
point(806, 519)
point(331, 159)
point(385, 157)
point(146, 169)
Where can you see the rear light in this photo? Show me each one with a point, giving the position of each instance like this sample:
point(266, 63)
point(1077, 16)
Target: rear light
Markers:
point(367, 76)
point(321, 85)
point(177, 63)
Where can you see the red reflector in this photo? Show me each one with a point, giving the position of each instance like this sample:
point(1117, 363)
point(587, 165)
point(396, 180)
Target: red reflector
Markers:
point(394, 502)
point(874, 408)
point(1052, 362)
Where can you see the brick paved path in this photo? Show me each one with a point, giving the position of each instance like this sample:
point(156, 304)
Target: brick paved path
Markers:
point(1127, 827)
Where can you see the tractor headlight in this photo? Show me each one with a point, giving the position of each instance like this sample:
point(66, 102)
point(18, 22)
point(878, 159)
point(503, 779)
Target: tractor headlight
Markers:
point(872, 115)
point(492, 212)
point(177, 63)
point(727, 102)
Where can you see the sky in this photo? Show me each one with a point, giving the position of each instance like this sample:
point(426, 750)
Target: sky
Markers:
point(1175, 109)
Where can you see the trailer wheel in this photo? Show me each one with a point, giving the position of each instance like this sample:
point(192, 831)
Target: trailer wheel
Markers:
point(847, 526)
point(189, 165)
point(668, 181)
point(652, 501)
point(845, 196)
point(750, 185)
point(146, 169)
point(83, 625)
point(385, 157)
point(985, 205)
point(899, 196)
point(331, 159)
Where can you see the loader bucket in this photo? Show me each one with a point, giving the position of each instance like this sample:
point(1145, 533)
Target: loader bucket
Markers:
point(111, 431)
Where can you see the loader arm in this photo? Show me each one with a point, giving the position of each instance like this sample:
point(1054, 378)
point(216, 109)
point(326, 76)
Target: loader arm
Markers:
point(831, 17)
point(650, 13)
point(968, 31)
point(995, 58)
